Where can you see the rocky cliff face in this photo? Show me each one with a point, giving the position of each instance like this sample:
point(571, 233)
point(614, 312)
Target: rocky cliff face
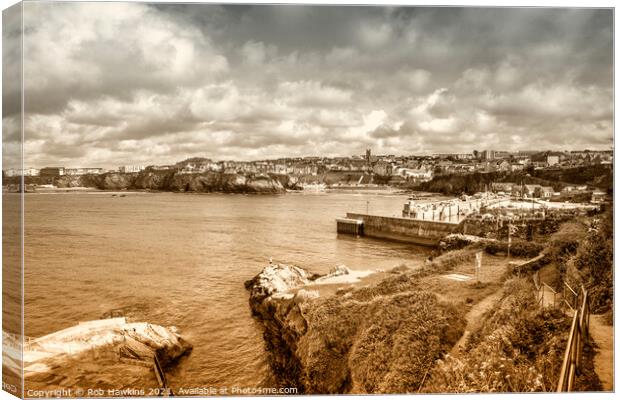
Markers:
point(173, 181)
point(109, 181)
point(369, 339)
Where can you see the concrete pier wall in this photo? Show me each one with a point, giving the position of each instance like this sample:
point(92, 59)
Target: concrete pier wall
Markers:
point(427, 233)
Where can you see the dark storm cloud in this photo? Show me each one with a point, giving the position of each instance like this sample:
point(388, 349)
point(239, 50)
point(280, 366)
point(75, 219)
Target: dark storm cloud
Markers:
point(121, 82)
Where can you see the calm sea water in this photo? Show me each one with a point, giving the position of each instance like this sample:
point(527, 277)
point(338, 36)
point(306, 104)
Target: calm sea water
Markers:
point(182, 259)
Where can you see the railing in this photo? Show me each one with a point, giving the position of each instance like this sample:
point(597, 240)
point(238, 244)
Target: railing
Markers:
point(578, 305)
point(164, 390)
point(570, 297)
point(161, 378)
point(578, 336)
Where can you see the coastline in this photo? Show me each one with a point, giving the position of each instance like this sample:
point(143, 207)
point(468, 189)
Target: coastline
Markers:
point(315, 336)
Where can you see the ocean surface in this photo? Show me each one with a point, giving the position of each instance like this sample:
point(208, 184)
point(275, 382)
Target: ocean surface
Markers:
point(182, 259)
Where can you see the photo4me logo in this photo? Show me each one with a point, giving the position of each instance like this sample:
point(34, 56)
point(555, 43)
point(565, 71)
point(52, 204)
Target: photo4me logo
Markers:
point(234, 391)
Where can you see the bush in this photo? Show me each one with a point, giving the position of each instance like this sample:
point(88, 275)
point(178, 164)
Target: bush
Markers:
point(593, 263)
point(377, 339)
point(518, 248)
point(449, 260)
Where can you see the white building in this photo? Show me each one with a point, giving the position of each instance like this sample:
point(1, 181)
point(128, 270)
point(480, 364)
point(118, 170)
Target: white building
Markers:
point(418, 173)
point(83, 171)
point(20, 172)
point(553, 160)
point(127, 169)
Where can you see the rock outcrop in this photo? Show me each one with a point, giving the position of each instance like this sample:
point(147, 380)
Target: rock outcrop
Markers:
point(108, 353)
point(368, 339)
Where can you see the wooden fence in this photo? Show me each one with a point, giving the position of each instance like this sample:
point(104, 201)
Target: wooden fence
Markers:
point(578, 336)
point(577, 304)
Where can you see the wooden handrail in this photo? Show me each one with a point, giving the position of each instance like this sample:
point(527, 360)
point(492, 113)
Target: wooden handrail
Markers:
point(571, 289)
point(577, 337)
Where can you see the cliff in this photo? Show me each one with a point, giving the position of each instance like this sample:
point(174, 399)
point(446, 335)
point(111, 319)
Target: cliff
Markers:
point(173, 181)
point(380, 338)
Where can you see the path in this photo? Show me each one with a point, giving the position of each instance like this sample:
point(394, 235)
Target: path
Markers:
point(603, 336)
point(473, 320)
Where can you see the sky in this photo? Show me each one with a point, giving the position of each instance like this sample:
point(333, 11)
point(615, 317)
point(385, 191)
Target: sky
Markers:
point(109, 84)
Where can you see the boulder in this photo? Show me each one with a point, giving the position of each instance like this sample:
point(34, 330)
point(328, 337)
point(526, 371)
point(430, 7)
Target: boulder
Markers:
point(112, 350)
point(275, 279)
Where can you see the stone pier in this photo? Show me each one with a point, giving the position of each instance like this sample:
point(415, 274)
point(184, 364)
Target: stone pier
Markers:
point(427, 233)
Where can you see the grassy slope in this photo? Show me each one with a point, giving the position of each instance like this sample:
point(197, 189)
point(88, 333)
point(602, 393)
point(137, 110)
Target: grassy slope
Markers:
point(377, 339)
point(520, 347)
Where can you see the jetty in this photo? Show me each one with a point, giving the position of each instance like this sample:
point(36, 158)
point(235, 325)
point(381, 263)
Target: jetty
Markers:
point(417, 231)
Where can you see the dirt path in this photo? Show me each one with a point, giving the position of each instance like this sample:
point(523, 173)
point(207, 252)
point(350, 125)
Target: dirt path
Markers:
point(603, 336)
point(473, 319)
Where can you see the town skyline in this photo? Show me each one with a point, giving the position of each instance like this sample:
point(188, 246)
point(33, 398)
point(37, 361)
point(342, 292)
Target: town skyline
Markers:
point(523, 157)
point(261, 82)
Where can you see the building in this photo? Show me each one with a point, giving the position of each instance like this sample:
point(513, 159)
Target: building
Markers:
point(418, 174)
point(20, 172)
point(598, 196)
point(501, 154)
point(128, 169)
point(505, 187)
point(83, 171)
point(502, 165)
point(546, 192)
point(531, 190)
point(488, 155)
point(552, 160)
point(382, 168)
point(455, 156)
point(51, 172)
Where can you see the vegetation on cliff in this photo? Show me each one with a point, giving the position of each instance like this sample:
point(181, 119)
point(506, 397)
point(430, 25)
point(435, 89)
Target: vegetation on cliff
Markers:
point(592, 263)
point(519, 346)
point(375, 339)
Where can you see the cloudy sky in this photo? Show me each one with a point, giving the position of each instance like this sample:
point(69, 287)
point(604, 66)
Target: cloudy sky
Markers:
point(108, 84)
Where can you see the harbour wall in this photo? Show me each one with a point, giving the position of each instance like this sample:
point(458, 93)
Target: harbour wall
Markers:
point(427, 233)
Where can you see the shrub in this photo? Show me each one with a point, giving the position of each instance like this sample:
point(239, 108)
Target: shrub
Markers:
point(379, 339)
point(518, 248)
point(449, 260)
point(593, 263)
